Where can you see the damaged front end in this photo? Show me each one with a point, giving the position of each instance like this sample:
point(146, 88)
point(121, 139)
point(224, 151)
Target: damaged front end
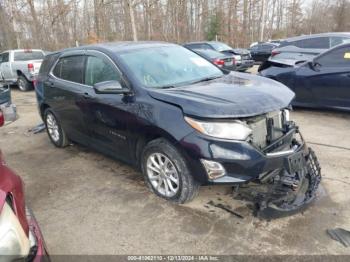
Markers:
point(290, 187)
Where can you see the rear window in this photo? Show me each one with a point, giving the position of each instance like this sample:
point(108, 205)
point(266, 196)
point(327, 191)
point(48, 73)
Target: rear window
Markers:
point(198, 46)
point(28, 55)
point(4, 58)
point(266, 47)
point(218, 46)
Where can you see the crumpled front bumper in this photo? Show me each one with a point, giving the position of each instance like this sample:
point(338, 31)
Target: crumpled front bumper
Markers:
point(242, 161)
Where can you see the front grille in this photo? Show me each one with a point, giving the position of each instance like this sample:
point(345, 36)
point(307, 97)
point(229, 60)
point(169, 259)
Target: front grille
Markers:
point(266, 128)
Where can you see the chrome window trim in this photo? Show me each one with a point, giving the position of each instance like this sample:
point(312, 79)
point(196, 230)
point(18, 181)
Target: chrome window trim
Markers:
point(108, 58)
point(61, 79)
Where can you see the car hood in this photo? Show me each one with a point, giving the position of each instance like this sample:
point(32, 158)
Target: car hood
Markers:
point(231, 96)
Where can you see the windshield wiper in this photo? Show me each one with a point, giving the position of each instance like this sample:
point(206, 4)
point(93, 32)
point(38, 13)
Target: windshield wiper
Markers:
point(165, 87)
point(205, 79)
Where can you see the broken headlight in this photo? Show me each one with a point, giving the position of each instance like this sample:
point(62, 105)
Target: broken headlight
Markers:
point(235, 130)
point(14, 243)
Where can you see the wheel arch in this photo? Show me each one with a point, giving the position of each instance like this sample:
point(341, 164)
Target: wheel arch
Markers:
point(152, 135)
point(43, 107)
point(20, 73)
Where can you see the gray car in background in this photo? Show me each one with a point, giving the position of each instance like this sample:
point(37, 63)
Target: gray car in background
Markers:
point(243, 59)
point(297, 48)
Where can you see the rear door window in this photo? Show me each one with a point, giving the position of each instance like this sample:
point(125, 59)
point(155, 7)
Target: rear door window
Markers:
point(336, 58)
point(28, 55)
point(70, 68)
point(100, 70)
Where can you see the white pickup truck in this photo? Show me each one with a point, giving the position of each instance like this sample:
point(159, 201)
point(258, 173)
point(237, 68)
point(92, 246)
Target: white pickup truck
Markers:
point(20, 67)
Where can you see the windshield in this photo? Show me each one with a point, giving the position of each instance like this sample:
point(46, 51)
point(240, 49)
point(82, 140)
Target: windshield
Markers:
point(168, 66)
point(220, 46)
point(28, 55)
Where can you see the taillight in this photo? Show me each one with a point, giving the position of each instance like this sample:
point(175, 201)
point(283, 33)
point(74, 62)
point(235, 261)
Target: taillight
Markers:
point(2, 118)
point(273, 53)
point(219, 62)
point(30, 68)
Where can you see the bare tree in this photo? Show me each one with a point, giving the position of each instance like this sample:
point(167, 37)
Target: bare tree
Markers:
point(55, 24)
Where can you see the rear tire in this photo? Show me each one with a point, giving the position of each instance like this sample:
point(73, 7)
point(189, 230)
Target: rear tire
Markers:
point(23, 83)
point(166, 172)
point(54, 129)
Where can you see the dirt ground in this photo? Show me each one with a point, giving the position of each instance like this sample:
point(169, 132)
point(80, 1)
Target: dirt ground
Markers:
point(87, 203)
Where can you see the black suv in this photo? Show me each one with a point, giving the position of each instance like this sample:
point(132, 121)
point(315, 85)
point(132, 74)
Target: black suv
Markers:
point(178, 117)
point(261, 52)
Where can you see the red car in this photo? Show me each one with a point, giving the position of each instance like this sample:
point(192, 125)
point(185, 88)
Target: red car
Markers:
point(20, 236)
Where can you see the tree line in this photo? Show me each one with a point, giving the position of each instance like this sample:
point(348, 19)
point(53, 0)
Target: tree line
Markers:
point(56, 24)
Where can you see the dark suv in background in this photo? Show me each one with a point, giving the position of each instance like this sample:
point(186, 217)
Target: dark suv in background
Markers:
point(182, 120)
point(261, 52)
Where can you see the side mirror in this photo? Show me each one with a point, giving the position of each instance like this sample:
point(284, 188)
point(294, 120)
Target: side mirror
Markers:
point(110, 87)
point(314, 65)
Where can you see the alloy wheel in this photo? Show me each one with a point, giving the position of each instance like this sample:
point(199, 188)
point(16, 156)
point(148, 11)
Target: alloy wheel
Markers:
point(21, 84)
point(52, 127)
point(163, 175)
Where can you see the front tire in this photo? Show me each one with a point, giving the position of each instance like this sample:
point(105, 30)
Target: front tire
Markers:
point(166, 172)
point(54, 129)
point(23, 84)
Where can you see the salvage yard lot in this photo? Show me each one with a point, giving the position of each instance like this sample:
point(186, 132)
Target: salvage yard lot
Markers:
point(87, 203)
